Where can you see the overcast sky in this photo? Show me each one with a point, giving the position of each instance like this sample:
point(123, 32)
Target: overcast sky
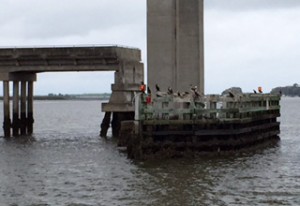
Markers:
point(248, 43)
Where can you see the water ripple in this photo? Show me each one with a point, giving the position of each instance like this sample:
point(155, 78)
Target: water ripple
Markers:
point(67, 164)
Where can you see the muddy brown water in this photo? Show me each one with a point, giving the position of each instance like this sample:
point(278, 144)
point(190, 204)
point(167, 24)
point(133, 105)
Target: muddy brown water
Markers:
point(66, 163)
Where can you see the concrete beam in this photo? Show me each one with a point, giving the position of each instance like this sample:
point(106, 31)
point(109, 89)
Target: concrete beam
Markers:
point(17, 76)
point(115, 107)
point(125, 87)
point(66, 58)
point(60, 68)
point(125, 53)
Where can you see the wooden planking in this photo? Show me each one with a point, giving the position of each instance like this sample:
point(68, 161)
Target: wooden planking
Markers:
point(211, 107)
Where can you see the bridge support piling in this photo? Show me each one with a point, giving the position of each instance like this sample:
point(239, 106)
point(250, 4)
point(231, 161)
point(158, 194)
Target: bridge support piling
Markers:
point(128, 79)
point(118, 117)
point(115, 124)
point(22, 103)
point(6, 110)
point(16, 110)
point(30, 119)
point(105, 124)
point(23, 108)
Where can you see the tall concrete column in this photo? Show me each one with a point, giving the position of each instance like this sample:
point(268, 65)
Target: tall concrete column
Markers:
point(6, 109)
point(30, 119)
point(16, 110)
point(175, 44)
point(23, 108)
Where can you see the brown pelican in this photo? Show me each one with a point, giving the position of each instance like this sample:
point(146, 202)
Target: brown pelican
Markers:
point(157, 88)
point(170, 90)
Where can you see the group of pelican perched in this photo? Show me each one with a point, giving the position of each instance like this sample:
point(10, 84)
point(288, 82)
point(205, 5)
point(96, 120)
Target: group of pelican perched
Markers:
point(233, 92)
point(192, 93)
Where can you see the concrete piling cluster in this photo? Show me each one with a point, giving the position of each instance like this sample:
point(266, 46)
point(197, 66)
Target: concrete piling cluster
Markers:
point(21, 120)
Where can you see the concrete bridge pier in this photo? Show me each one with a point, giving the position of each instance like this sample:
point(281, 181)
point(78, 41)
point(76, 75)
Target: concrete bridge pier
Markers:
point(175, 44)
point(19, 65)
point(6, 109)
point(30, 119)
point(22, 112)
point(16, 108)
point(128, 79)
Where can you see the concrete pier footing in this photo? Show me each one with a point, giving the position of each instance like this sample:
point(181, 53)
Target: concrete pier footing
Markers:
point(118, 118)
point(127, 83)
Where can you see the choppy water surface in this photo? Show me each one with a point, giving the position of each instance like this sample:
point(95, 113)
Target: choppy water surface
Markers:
point(68, 164)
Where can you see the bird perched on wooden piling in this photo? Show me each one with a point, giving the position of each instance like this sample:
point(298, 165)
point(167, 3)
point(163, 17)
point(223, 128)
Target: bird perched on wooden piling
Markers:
point(231, 94)
point(142, 87)
point(157, 88)
point(197, 94)
point(194, 88)
point(195, 91)
point(170, 90)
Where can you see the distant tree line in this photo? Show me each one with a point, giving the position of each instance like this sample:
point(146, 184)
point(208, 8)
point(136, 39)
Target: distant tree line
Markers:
point(293, 91)
point(52, 96)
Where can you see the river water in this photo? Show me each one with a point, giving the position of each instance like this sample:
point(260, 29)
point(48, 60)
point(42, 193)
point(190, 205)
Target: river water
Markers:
point(68, 164)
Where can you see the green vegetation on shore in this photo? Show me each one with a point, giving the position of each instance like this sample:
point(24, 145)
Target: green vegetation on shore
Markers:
point(51, 96)
point(292, 91)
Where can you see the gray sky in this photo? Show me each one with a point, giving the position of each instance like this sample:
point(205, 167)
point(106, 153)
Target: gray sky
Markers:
point(248, 43)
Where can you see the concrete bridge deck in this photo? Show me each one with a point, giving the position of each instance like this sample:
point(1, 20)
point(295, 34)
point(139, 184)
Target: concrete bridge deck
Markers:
point(56, 59)
point(20, 65)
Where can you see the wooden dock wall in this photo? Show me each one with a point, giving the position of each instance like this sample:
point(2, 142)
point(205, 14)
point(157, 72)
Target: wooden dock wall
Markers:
point(172, 126)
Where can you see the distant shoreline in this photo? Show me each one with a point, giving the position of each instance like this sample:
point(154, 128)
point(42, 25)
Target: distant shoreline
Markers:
point(54, 97)
point(69, 99)
point(290, 91)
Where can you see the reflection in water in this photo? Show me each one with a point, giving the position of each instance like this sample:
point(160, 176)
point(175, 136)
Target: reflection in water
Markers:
point(68, 164)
